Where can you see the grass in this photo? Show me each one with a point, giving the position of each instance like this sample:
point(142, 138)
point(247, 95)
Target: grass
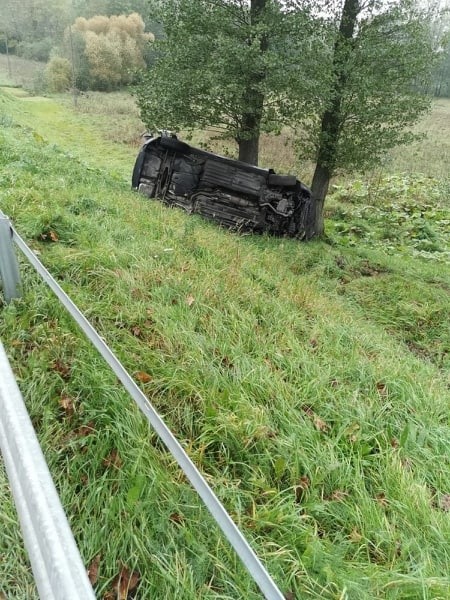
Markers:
point(24, 73)
point(309, 382)
point(116, 119)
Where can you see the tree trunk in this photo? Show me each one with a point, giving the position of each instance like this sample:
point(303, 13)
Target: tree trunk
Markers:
point(319, 189)
point(248, 136)
point(332, 117)
point(249, 150)
point(7, 57)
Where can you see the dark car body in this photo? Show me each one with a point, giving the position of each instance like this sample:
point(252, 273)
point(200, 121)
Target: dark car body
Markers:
point(235, 194)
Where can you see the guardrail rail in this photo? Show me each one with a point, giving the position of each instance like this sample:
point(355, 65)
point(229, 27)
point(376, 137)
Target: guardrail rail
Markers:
point(243, 549)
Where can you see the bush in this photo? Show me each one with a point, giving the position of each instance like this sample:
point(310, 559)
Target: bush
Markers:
point(37, 50)
point(109, 50)
point(58, 74)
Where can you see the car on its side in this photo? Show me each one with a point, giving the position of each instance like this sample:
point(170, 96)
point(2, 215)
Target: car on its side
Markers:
point(233, 193)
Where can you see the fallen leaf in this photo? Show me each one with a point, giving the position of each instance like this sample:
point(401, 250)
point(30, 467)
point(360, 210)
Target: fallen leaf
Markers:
point(53, 236)
point(143, 377)
point(136, 331)
point(227, 363)
point(407, 463)
point(355, 536)
point(177, 518)
point(395, 443)
point(190, 300)
point(302, 486)
point(339, 495)
point(112, 460)
point(67, 404)
point(445, 502)
point(125, 582)
point(319, 424)
point(289, 596)
point(353, 432)
point(382, 500)
point(93, 569)
point(83, 430)
point(61, 368)
point(382, 388)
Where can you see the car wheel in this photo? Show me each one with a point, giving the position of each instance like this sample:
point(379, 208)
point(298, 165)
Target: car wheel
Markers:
point(174, 144)
point(282, 180)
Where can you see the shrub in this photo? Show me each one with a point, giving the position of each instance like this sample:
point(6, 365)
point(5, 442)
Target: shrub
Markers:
point(58, 74)
point(35, 50)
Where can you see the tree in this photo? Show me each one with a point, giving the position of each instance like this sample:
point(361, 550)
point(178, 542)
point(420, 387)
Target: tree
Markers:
point(381, 59)
point(58, 74)
point(441, 38)
point(91, 8)
point(36, 25)
point(109, 49)
point(441, 76)
point(227, 64)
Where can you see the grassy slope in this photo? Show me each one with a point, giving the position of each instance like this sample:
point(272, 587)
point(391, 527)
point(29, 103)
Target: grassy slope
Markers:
point(307, 381)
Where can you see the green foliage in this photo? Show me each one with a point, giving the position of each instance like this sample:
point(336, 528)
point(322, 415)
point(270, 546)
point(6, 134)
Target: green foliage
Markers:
point(35, 50)
point(58, 74)
point(374, 95)
point(440, 85)
point(221, 66)
point(441, 75)
point(397, 213)
point(37, 25)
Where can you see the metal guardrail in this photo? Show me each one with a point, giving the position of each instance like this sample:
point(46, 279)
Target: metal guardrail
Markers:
point(57, 566)
point(212, 503)
point(9, 269)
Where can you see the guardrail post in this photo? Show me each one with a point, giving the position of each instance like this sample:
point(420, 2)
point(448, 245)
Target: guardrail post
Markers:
point(9, 268)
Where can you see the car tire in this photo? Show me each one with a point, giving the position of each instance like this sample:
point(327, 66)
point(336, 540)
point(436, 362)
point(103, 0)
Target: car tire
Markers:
point(282, 180)
point(174, 144)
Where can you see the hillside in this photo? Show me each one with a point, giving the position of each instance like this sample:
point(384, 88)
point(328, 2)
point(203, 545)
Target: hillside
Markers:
point(309, 382)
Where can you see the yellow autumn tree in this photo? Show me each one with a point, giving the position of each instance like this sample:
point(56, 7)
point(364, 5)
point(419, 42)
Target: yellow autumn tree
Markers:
point(111, 49)
point(58, 74)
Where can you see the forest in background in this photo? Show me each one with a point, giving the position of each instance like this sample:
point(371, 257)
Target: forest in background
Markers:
point(34, 29)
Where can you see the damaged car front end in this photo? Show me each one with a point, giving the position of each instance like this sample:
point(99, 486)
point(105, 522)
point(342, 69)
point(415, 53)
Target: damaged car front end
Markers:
point(235, 194)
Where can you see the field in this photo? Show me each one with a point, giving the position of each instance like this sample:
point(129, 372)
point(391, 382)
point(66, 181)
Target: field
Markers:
point(115, 118)
point(309, 382)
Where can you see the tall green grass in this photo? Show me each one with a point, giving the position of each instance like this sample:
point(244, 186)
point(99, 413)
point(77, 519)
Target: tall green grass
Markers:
point(309, 382)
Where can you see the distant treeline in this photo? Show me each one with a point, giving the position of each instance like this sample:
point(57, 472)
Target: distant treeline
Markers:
point(38, 30)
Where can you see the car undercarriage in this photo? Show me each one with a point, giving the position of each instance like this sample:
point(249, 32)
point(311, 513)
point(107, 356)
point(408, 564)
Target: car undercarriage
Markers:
point(235, 194)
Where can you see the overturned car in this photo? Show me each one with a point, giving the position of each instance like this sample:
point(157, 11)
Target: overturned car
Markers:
point(235, 194)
